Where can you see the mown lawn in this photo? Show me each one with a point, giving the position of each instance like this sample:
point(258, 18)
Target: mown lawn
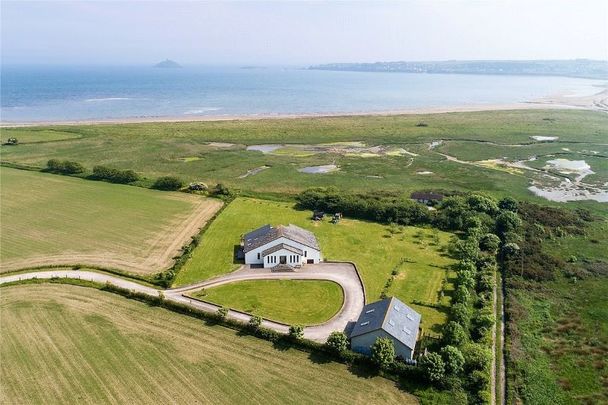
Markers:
point(371, 246)
point(304, 302)
point(72, 345)
point(51, 219)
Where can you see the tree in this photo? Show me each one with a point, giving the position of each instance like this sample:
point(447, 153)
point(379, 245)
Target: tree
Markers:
point(454, 334)
point(255, 322)
point(383, 352)
point(69, 167)
point(508, 204)
point(477, 357)
point(489, 243)
point(482, 203)
point(453, 359)
point(12, 141)
point(462, 295)
point(296, 332)
point(337, 342)
point(222, 313)
point(221, 190)
point(510, 250)
point(507, 221)
point(467, 249)
point(433, 367)
point(168, 183)
point(466, 278)
point(461, 314)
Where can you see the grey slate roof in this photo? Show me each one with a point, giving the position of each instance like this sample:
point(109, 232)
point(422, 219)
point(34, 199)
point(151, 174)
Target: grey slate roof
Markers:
point(267, 233)
point(391, 315)
point(280, 246)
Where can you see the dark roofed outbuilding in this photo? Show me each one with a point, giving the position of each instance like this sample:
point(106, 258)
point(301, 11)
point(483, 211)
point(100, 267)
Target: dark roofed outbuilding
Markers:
point(387, 318)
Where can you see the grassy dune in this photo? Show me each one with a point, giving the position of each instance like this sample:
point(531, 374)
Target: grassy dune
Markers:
point(64, 344)
point(50, 219)
point(304, 302)
point(155, 149)
point(370, 245)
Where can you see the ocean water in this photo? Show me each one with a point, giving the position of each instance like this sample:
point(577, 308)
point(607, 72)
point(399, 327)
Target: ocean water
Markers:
point(31, 94)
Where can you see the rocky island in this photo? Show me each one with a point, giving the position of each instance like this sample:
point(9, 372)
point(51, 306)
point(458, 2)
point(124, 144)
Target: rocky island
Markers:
point(168, 63)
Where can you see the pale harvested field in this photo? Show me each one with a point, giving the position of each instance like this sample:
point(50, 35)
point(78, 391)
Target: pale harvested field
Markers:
point(68, 344)
point(57, 220)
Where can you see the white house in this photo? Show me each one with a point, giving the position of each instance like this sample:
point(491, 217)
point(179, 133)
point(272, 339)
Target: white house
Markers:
point(389, 318)
point(284, 246)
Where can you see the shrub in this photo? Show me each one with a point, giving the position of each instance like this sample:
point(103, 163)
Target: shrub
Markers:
point(114, 175)
point(453, 359)
point(477, 357)
point(64, 166)
point(489, 243)
point(461, 314)
point(168, 183)
point(482, 203)
point(254, 322)
point(454, 334)
point(508, 204)
point(507, 221)
point(222, 312)
point(12, 141)
point(296, 332)
point(465, 279)
point(337, 342)
point(221, 190)
point(467, 249)
point(461, 295)
point(383, 352)
point(433, 367)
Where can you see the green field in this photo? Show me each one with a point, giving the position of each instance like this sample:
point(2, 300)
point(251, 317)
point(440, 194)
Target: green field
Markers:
point(49, 219)
point(371, 246)
point(304, 302)
point(186, 149)
point(64, 344)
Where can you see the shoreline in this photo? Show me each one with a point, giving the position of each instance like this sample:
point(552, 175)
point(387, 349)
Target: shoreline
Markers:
point(596, 102)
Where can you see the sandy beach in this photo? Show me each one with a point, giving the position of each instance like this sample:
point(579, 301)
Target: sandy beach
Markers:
point(595, 102)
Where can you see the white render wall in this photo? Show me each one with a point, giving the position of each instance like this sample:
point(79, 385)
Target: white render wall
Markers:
point(251, 257)
point(363, 344)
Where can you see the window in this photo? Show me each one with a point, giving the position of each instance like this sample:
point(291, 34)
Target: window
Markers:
point(259, 255)
point(305, 253)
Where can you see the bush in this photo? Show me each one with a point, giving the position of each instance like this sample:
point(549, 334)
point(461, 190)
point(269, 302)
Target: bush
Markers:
point(296, 332)
point(383, 352)
point(461, 314)
point(64, 166)
point(114, 175)
point(507, 221)
point(168, 183)
point(222, 313)
point(221, 190)
point(453, 359)
point(454, 334)
point(489, 243)
point(433, 367)
point(467, 249)
point(462, 295)
point(508, 204)
point(254, 322)
point(337, 342)
point(477, 357)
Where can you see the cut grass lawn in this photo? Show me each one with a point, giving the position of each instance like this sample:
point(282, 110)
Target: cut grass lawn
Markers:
point(303, 302)
point(50, 220)
point(371, 246)
point(72, 345)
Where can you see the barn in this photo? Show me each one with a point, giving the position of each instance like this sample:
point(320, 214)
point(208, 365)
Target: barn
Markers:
point(388, 318)
point(288, 247)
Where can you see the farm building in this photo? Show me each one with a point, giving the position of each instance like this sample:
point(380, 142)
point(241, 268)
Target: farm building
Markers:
point(389, 318)
point(284, 246)
point(426, 198)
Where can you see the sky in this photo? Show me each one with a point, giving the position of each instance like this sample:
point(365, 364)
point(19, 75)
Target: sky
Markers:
point(300, 32)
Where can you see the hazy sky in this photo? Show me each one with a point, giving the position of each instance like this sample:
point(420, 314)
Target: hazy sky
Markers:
point(298, 32)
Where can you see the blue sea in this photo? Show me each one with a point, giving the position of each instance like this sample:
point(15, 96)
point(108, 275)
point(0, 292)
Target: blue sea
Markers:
point(35, 93)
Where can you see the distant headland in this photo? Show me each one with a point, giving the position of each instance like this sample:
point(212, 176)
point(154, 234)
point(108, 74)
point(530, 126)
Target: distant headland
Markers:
point(584, 68)
point(168, 63)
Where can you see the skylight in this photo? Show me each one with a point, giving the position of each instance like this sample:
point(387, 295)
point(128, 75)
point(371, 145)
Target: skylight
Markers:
point(410, 317)
point(370, 311)
point(365, 323)
point(396, 308)
point(406, 330)
point(391, 322)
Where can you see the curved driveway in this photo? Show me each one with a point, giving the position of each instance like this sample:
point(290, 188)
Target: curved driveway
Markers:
point(344, 274)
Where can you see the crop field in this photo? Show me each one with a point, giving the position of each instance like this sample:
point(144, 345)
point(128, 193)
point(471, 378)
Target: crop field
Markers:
point(217, 151)
point(304, 302)
point(75, 345)
point(50, 220)
point(417, 253)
